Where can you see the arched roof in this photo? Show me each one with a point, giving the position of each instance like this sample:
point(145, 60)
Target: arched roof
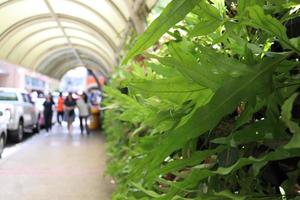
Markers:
point(52, 36)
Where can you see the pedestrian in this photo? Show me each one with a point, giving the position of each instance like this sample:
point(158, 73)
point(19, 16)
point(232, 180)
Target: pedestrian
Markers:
point(48, 111)
point(84, 112)
point(69, 115)
point(60, 108)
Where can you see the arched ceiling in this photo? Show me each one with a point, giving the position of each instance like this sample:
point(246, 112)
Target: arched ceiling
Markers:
point(53, 36)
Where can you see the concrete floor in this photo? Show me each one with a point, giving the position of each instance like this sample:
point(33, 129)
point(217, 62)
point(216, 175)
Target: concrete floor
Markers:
point(55, 166)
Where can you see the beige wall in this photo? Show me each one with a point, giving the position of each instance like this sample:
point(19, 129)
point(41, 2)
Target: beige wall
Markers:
point(15, 77)
point(10, 78)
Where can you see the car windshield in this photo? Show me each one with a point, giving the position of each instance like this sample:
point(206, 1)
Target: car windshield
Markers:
point(8, 96)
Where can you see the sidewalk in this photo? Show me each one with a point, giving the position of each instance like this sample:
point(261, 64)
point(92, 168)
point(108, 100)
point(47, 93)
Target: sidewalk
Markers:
point(56, 166)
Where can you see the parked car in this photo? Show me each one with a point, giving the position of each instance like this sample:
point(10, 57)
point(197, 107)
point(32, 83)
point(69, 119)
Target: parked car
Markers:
point(24, 116)
point(38, 99)
point(4, 118)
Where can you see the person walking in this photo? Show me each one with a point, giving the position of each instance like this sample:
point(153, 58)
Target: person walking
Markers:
point(69, 106)
point(60, 108)
point(84, 112)
point(48, 112)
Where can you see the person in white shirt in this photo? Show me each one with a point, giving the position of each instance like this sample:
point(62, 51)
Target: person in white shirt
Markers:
point(84, 112)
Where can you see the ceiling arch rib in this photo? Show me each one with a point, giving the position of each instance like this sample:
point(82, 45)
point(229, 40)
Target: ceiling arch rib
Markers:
point(62, 61)
point(68, 59)
point(55, 41)
point(19, 46)
point(90, 65)
point(60, 73)
point(19, 41)
point(67, 37)
point(77, 32)
point(119, 11)
point(98, 14)
point(110, 2)
point(64, 55)
point(16, 10)
point(14, 40)
point(106, 36)
point(107, 61)
point(65, 58)
point(62, 67)
point(9, 32)
point(51, 54)
point(70, 7)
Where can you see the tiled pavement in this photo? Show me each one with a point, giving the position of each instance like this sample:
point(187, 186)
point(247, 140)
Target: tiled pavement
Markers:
point(56, 166)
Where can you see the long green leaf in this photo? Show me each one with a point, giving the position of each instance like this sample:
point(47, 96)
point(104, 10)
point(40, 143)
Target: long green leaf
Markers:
point(205, 27)
point(148, 192)
point(212, 69)
point(210, 20)
point(171, 15)
point(177, 89)
point(268, 23)
point(258, 131)
point(226, 99)
point(293, 126)
point(195, 159)
point(199, 174)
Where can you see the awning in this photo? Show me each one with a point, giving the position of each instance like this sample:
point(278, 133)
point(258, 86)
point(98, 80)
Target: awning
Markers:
point(53, 36)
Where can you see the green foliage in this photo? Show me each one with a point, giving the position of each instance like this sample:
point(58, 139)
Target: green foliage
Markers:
point(173, 13)
point(214, 112)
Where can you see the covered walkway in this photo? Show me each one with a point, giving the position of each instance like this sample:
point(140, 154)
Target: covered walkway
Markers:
point(54, 36)
point(56, 166)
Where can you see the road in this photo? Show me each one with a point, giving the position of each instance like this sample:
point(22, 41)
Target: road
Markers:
point(55, 166)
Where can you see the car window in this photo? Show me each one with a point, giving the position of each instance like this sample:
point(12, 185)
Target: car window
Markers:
point(8, 96)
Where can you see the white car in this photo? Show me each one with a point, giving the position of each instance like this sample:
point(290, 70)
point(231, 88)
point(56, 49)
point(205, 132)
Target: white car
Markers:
point(24, 116)
point(4, 117)
point(38, 100)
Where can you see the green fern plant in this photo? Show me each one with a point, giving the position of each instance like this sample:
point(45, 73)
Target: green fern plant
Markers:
point(213, 113)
